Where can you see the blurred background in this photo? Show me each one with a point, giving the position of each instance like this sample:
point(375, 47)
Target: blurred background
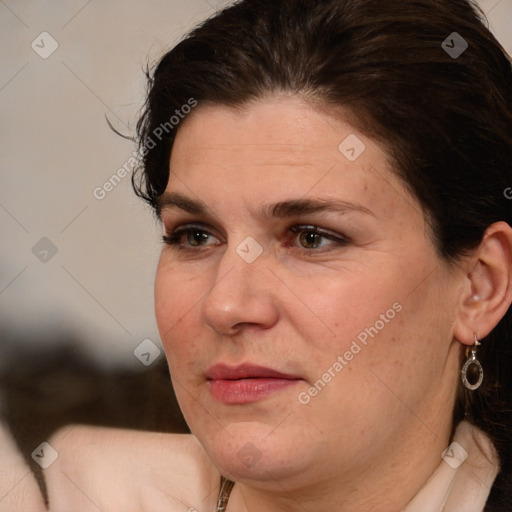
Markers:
point(78, 339)
point(65, 66)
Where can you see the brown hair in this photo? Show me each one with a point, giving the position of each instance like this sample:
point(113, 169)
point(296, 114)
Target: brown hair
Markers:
point(445, 119)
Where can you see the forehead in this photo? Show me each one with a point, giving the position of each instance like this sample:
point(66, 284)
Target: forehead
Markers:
point(276, 147)
point(286, 128)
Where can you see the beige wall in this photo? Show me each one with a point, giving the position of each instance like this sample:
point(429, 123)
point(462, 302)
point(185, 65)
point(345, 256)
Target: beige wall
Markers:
point(56, 148)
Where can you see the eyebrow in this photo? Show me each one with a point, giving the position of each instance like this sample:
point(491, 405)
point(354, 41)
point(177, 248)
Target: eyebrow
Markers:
point(296, 207)
point(282, 209)
point(181, 202)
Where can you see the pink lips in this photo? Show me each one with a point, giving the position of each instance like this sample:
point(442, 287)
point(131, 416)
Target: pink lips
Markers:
point(246, 383)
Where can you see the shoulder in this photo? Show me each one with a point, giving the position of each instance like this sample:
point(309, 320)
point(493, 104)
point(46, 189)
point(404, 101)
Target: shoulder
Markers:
point(115, 469)
point(18, 487)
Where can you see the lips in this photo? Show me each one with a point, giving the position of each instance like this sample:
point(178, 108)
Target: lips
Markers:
point(245, 371)
point(246, 383)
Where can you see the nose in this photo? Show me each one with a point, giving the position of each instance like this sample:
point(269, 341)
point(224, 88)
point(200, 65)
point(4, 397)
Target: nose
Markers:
point(242, 295)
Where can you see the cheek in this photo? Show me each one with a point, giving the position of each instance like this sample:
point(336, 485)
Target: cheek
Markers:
point(380, 323)
point(177, 303)
point(339, 308)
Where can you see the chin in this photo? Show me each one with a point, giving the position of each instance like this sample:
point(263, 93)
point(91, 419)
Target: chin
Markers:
point(251, 451)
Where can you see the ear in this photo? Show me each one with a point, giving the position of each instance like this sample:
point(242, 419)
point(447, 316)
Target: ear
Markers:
point(487, 291)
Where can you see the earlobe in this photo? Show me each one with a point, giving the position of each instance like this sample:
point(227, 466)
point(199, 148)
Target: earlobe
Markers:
point(488, 293)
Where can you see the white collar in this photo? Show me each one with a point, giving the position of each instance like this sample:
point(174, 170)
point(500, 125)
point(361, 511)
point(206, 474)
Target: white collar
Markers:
point(463, 479)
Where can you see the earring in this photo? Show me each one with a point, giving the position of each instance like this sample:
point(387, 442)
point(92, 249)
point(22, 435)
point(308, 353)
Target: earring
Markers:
point(472, 371)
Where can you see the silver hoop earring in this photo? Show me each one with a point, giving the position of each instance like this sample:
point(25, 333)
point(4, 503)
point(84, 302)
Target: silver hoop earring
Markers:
point(472, 371)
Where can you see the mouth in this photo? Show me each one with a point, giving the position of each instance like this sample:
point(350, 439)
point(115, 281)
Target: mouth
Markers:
point(246, 383)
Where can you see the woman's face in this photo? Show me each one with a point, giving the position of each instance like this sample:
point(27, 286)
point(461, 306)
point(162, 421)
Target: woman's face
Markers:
point(306, 317)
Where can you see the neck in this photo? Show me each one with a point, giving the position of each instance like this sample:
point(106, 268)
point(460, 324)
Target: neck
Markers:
point(460, 483)
point(387, 484)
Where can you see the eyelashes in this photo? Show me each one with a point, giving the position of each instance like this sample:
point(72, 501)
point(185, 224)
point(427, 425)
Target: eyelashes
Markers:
point(194, 235)
point(309, 239)
point(312, 237)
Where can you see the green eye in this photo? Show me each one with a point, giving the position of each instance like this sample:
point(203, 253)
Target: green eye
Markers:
point(315, 240)
point(190, 237)
point(310, 239)
point(196, 238)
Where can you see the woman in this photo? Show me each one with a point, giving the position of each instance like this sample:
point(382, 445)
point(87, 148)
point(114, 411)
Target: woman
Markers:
point(334, 289)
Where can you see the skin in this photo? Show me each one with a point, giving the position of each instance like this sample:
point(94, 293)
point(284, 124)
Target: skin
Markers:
point(386, 417)
point(374, 433)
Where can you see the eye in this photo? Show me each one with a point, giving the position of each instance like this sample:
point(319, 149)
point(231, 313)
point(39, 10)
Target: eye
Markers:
point(311, 237)
point(190, 237)
point(196, 237)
